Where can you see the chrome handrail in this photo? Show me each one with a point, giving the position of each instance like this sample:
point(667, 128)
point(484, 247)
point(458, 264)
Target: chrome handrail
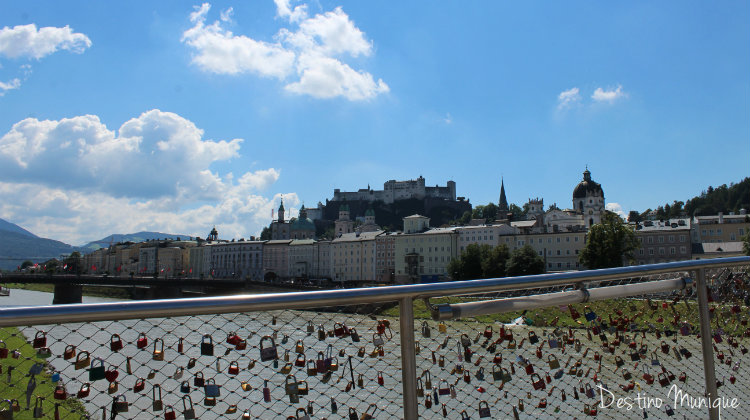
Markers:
point(301, 300)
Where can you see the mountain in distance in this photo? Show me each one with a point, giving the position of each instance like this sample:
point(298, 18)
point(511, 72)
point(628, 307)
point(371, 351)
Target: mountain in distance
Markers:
point(18, 245)
point(130, 237)
point(12, 227)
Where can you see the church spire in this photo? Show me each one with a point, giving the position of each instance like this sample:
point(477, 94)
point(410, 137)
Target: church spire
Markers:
point(502, 205)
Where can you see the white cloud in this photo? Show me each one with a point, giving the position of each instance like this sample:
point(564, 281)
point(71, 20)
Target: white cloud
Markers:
point(617, 209)
point(312, 52)
point(568, 97)
point(221, 52)
point(166, 151)
point(11, 84)
point(75, 180)
point(27, 41)
point(226, 15)
point(601, 95)
point(284, 10)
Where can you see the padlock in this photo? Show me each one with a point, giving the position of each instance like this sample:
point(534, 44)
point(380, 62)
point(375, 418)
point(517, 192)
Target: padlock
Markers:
point(140, 385)
point(96, 372)
point(266, 392)
point(113, 387)
point(7, 414)
point(354, 335)
point(142, 341)
point(369, 412)
point(233, 338)
point(38, 408)
point(115, 342)
point(339, 329)
point(291, 386)
point(211, 401)
point(207, 345)
point(303, 388)
point(84, 390)
point(420, 387)
point(158, 353)
point(426, 333)
point(353, 414)
point(185, 387)
point(40, 339)
point(377, 340)
point(60, 392)
point(198, 380)
point(442, 327)
point(310, 327)
point(530, 368)
point(428, 401)
point(111, 374)
point(180, 346)
point(120, 404)
point(82, 360)
point(537, 381)
point(321, 333)
point(192, 362)
point(663, 379)
point(553, 362)
point(234, 368)
point(211, 389)
point(533, 338)
point(270, 352)
point(187, 407)
point(453, 391)
point(286, 368)
point(69, 353)
point(573, 312)
point(242, 345)
point(169, 413)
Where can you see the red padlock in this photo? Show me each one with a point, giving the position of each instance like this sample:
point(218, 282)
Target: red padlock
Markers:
point(234, 368)
point(40, 341)
point(115, 342)
point(381, 381)
point(266, 392)
point(142, 341)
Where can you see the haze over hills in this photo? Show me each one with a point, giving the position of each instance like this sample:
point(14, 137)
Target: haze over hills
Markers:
point(18, 244)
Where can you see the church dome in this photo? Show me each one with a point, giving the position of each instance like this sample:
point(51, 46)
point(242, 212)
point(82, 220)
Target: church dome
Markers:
point(303, 224)
point(587, 187)
point(370, 213)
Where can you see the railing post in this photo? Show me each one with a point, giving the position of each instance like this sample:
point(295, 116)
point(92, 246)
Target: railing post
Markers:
point(408, 358)
point(707, 346)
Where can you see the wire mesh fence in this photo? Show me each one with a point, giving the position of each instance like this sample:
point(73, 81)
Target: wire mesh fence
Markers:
point(634, 357)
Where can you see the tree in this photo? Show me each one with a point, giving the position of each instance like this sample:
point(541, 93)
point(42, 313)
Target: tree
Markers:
point(494, 263)
point(27, 264)
point(634, 216)
point(74, 263)
point(265, 234)
point(490, 212)
point(518, 213)
point(479, 261)
point(465, 218)
point(746, 243)
point(608, 243)
point(525, 261)
point(478, 212)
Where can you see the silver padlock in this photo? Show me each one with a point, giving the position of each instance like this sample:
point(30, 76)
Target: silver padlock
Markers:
point(188, 411)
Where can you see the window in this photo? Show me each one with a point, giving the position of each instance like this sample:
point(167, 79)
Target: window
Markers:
point(661, 239)
point(682, 250)
point(718, 231)
point(682, 238)
point(732, 237)
point(651, 251)
point(671, 251)
point(640, 251)
point(703, 232)
point(650, 239)
point(742, 232)
point(671, 238)
point(662, 251)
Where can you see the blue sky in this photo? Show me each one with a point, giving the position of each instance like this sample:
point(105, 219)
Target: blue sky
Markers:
point(117, 117)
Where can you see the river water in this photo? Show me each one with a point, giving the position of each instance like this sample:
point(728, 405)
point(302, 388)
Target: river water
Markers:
point(21, 297)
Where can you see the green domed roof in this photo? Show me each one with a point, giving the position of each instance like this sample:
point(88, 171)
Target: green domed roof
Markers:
point(303, 224)
point(344, 207)
point(370, 212)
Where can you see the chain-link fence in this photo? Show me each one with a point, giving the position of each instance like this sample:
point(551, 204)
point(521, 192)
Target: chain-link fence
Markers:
point(633, 357)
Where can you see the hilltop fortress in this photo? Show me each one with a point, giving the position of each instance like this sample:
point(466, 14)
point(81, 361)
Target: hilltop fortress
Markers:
point(399, 190)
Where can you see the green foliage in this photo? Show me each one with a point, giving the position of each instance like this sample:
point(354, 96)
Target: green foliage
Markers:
point(608, 243)
point(465, 218)
point(265, 234)
point(634, 216)
point(525, 261)
point(74, 263)
point(26, 264)
point(479, 261)
point(518, 213)
point(720, 199)
point(746, 243)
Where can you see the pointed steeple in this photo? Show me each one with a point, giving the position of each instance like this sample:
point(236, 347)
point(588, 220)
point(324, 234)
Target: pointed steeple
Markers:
point(502, 205)
point(281, 211)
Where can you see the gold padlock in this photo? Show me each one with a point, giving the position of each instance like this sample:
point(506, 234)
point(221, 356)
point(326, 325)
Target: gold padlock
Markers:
point(158, 353)
point(300, 347)
point(442, 327)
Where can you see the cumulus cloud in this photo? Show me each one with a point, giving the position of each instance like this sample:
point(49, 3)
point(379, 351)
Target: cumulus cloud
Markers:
point(617, 209)
point(9, 85)
point(601, 95)
point(76, 180)
point(27, 41)
point(166, 151)
point(309, 58)
point(568, 97)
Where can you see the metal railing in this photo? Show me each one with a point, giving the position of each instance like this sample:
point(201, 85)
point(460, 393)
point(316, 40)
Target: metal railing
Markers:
point(184, 327)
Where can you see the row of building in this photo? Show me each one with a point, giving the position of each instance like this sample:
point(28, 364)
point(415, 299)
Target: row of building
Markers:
point(367, 254)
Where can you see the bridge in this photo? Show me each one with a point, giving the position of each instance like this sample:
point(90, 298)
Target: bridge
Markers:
point(69, 287)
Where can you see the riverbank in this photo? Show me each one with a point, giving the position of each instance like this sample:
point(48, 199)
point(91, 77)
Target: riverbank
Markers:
point(93, 291)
